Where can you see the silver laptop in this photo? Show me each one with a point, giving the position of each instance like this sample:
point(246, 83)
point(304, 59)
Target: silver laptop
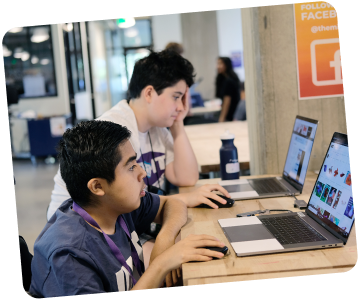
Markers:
point(327, 221)
point(295, 169)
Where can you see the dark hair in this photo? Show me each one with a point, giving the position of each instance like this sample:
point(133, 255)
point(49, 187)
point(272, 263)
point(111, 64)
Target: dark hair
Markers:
point(161, 70)
point(229, 69)
point(176, 47)
point(229, 73)
point(242, 86)
point(90, 150)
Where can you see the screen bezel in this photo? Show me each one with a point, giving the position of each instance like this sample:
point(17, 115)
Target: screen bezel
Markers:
point(344, 141)
point(292, 182)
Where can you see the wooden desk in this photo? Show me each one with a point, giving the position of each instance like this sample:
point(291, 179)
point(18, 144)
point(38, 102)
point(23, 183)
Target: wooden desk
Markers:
point(233, 268)
point(199, 111)
point(205, 141)
point(210, 107)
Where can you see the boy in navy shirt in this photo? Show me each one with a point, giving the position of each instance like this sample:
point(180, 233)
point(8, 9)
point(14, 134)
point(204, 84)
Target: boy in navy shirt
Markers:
point(90, 245)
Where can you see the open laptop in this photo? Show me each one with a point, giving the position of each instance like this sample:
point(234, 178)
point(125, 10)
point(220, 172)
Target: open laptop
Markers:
point(327, 221)
point(295, 169)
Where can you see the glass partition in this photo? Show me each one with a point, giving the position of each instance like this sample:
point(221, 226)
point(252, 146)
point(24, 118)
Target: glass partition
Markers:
point(29, 63)
point(124, 46)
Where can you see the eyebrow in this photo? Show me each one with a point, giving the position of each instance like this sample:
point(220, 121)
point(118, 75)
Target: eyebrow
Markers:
point(132, 158)
point(178, 93)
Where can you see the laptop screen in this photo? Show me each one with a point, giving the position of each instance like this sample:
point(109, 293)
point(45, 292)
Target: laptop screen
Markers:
point(332, 199)
point(300, 148)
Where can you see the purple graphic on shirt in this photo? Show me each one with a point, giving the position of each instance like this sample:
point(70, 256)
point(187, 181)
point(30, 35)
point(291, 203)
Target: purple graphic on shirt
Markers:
point(154, 163)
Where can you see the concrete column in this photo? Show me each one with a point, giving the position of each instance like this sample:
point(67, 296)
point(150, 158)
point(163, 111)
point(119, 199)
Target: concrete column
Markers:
point(200, 43)
point(272, 91)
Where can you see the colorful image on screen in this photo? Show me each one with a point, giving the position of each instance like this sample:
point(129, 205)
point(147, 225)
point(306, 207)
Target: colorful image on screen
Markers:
point(325, 192)
point(349, 211)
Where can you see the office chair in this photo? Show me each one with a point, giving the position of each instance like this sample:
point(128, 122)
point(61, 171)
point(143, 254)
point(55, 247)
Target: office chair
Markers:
point(25, 266)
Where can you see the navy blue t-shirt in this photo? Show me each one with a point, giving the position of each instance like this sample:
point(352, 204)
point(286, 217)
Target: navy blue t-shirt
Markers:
point(73, 258)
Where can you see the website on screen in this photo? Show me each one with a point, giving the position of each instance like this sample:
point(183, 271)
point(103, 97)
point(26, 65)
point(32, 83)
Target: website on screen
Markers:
point(299, 151)
point(332, 198)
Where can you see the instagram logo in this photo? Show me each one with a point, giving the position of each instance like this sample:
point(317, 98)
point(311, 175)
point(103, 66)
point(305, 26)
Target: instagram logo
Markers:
point(330, 65)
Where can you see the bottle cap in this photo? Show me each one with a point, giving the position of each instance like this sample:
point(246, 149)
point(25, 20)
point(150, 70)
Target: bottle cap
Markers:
point(227, 135)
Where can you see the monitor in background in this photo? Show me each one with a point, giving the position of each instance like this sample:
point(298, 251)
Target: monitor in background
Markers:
point(300, 148)
point(12, 94)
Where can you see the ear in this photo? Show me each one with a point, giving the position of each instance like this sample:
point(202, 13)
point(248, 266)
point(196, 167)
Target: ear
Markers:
point(149, 93)
point(96, 186)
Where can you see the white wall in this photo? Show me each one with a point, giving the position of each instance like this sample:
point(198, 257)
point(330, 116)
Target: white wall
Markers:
point(165, 29)
point(168, 28)
point(230, 38)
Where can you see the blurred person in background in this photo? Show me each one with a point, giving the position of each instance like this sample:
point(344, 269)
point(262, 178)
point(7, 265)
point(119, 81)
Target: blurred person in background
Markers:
point(240, 113)
point(176, 47)
point(227, 88)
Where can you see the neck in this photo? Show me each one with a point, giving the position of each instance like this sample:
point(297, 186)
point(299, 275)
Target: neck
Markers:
point(138, 107)
point(104, 218)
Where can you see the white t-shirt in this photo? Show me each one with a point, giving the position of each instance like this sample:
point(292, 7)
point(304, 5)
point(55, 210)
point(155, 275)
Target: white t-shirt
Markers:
point(154, 165)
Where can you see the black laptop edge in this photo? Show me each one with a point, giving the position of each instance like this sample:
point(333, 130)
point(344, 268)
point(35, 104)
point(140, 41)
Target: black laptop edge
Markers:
point(343, 140)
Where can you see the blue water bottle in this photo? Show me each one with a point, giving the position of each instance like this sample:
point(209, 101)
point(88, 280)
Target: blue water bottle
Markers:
point(229, 157)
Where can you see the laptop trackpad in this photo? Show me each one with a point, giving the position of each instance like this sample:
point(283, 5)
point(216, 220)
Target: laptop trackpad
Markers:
point(248, 233)
point(237, 188)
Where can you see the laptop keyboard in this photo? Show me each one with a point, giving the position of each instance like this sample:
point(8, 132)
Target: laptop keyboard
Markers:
point(292, 230)
point(266, 186)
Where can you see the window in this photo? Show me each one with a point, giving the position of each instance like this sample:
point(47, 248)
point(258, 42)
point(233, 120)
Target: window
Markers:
point(124, 47)
point(29, 62)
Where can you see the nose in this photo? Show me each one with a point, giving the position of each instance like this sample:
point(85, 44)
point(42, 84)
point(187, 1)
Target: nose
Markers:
point(142, 174)
point(180, 104)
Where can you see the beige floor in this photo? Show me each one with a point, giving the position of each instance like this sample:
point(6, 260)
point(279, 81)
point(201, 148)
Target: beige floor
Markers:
point(32, 191)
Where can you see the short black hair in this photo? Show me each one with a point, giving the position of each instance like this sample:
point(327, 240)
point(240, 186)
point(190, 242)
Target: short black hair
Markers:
point(161, 70)
point(90, 150)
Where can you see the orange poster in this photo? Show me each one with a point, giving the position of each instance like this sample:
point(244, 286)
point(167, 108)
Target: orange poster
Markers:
point(318, 52)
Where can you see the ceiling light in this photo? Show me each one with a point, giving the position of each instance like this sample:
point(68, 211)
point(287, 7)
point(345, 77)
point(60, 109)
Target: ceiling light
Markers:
point(5, 51)
point(34, 60)
point(125, 22)
point(44, 61)
point(16, 29)
point(25, 56)
point(18, 52)
point(68, 27)
point(132, 32)
point(40, 35)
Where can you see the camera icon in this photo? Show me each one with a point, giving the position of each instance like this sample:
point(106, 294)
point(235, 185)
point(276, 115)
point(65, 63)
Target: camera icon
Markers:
point(335, 63)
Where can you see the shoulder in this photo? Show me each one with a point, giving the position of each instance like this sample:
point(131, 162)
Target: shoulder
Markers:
point(231, 84)
point(230, 81)
point(65, 229)
point(118, 113)
point(160, 133)
point(122, 114)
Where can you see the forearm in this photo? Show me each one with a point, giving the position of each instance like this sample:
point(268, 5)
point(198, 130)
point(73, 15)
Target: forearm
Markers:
point(185, 163)
point(153, 276)
point(225, 108)
point(173, 217)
